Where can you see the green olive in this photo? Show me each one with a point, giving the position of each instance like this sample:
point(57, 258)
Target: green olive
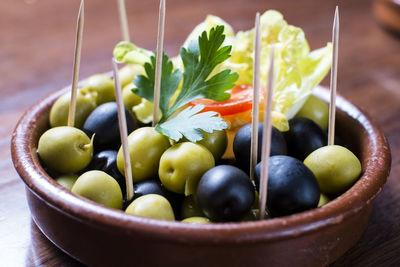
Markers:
point(130, 99)
point(316, 110)
point(182, 165)
point(99, 187)
point(190, 208)
point(127, 73)
point(323, 199)
point(151, 206)
point(335, 167)
point(67, 180)
point(146, 146)
point(65, 149)
point(196, 220)
point(85, 104)
point(101, 86)
point(215, 142)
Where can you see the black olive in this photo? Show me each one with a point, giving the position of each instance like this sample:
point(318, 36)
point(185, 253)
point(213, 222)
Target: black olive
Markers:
point(106, 161)
point(225, 193)
point(146, 187)
point(103, 121)
point(242, 144)
point(303, 137)
point(292, 187)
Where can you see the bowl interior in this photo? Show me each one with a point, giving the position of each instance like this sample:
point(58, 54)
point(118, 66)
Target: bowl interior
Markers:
point(353, 127)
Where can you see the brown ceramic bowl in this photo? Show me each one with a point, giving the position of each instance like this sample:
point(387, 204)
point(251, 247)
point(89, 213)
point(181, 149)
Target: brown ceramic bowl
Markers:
point(98, 236)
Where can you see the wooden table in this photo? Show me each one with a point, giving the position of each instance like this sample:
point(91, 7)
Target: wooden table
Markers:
point(37, 40)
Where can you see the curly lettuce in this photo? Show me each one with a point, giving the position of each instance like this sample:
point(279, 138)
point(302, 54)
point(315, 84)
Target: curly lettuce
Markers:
point(297, 70)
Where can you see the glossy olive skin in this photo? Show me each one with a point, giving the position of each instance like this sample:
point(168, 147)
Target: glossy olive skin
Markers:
point(196, 220)
point(99, 187)
point(182, 165)
point(146, 146)
point(190, 208)
point(85, 104)
point(316, 110)
point(216, 142)
point(130, 99)
point(106, 161)
point(225, 193)
point(67, 180)
point(242, 145)
point(303, 137)
point(335, 167)
point(323, 199)
point(292, 187)
point(151, 206)
point(103, 122)
point(101, 87)
point(65, 149)
point(151, 186)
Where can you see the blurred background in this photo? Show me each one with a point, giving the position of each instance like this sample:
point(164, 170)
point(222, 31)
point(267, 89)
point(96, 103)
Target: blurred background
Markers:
point(36, 54)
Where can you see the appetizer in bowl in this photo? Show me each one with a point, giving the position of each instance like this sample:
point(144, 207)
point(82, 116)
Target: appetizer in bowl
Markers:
point(183, 168)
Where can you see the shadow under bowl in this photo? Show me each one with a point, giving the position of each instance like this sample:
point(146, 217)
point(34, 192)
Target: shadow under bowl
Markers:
point(98, 236)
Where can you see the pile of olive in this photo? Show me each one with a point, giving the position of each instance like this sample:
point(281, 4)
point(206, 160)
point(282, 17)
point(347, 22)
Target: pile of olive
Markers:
point(88, 159)
point(181, 180)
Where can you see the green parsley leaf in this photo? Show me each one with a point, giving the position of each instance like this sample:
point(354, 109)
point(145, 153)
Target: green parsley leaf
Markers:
point(199, 60)
point(169, 82)
point(199, 81)
point(189, 123)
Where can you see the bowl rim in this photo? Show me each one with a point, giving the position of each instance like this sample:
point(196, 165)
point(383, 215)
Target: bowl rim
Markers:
point(376, 168)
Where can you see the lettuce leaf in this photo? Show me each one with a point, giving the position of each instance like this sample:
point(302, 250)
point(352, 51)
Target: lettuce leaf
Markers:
point(297, 70)
point(126, 52)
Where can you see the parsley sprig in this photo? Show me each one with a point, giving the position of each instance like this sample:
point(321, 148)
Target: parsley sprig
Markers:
point(199, 61)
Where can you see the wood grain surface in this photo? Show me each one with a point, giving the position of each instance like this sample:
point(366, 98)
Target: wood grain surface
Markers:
point(36, 53)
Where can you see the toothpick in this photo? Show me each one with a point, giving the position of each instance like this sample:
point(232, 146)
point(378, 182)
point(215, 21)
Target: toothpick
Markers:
point(77, 62)
point(333, 85)
point(123, 132)
point(266, 141)
point(123, 20)
point(256, 91)
point(160, 44)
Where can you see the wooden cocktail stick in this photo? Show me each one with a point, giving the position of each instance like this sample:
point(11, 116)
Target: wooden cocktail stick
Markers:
point(160, 44)
point(333, 84)
point(77, 62)
point(123, 132)
point(256, 91)
point(123, 20)
point(266, 140)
